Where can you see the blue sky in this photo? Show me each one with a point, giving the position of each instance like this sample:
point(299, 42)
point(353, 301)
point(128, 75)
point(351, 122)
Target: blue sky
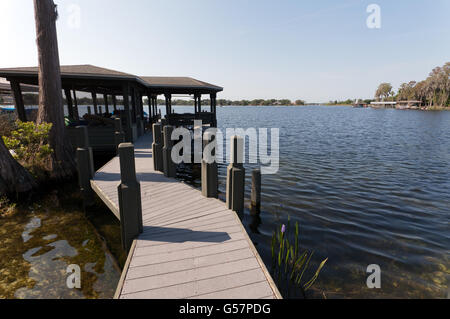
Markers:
point(313, 50)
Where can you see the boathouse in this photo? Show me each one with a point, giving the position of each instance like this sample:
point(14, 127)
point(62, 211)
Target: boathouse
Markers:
point(114, 87)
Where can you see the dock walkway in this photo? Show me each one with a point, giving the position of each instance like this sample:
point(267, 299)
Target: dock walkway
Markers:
point(191, 247)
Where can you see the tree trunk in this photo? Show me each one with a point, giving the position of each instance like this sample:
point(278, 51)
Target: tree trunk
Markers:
point(14, 179)
point(50, 91)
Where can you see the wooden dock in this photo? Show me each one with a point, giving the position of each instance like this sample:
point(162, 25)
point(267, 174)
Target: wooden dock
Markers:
point(191, 246)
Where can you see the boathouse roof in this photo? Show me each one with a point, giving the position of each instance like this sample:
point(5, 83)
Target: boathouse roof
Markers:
point(158, 84)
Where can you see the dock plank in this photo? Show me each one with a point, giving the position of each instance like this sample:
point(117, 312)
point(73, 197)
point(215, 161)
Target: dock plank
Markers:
point(191, 246)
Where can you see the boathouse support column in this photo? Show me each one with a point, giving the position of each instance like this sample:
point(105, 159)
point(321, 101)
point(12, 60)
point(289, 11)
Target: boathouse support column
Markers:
point(127, 112)
point(69, 103)
point(18, 101)
point(195, 104)
point(170, 169)
point(114, 100)
point(133, 104)
point(236, 176)
point(157, 148)
point(213, 98)
point(85, 165)
point(209, 166)
point(151, 108)
point(129, 191)
point(75, 110)
point(105, 98)
point(94, 102)
point(199, 103)
point(168, 103)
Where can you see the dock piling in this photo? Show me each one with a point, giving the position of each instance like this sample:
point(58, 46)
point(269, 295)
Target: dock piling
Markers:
point(209, 168)
point(169, 166)
point(85, 166)
point(236, 176)
point(256, 192)
point(129, 190)
point(157, 148)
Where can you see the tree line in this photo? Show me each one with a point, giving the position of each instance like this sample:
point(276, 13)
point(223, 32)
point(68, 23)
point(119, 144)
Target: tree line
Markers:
point(433, 92)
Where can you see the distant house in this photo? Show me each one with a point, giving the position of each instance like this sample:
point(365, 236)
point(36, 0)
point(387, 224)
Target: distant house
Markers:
point(383, 105)
point(408, 105)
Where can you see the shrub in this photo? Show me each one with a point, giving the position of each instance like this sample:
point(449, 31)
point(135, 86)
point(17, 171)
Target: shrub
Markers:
point(30, 145)
point(289, 264)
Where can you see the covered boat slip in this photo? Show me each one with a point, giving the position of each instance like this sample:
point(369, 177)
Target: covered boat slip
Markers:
point(111, 85)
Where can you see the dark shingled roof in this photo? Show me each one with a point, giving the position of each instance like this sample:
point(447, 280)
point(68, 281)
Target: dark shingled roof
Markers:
point(178, 82)
point(163, 84)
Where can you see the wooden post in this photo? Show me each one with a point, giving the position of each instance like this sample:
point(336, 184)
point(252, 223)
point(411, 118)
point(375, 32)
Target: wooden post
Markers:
point(133, 104)
point(126, 104)
point(85, 165)
point(195, 104)
point(129, 190)
point(199, 103)
point(119, 136)
point(69, 103)
point(256, 191)
point(105, 98)
point(168, 98)
point(170, 169)
point(89, 110)
point(151, 109)
point(213, 98)
point(94, 102)
point(114, 99)
point(155, 113)
point(236, 176)
point(100, 111)
point(75, 111)
point(18, 101)
point(209, 167)
point(157, 148)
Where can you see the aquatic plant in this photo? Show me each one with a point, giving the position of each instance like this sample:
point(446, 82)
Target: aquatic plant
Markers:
point(29, 142)
point(289, 262)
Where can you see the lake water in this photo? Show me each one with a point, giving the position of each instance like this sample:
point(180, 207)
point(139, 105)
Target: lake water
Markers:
point(366, 186)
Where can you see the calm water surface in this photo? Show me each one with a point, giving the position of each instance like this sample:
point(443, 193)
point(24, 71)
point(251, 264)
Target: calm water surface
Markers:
point(366, 186)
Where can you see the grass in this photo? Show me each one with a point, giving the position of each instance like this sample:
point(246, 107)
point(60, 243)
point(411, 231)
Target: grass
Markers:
point(290, 263)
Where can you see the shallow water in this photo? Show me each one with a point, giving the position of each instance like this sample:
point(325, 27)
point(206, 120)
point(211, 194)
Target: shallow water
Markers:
point(366, 186)
point(38, 245)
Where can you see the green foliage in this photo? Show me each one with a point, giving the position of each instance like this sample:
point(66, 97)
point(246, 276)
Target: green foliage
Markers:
point(289, 262)
point(384, 91)
point(30, 145)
